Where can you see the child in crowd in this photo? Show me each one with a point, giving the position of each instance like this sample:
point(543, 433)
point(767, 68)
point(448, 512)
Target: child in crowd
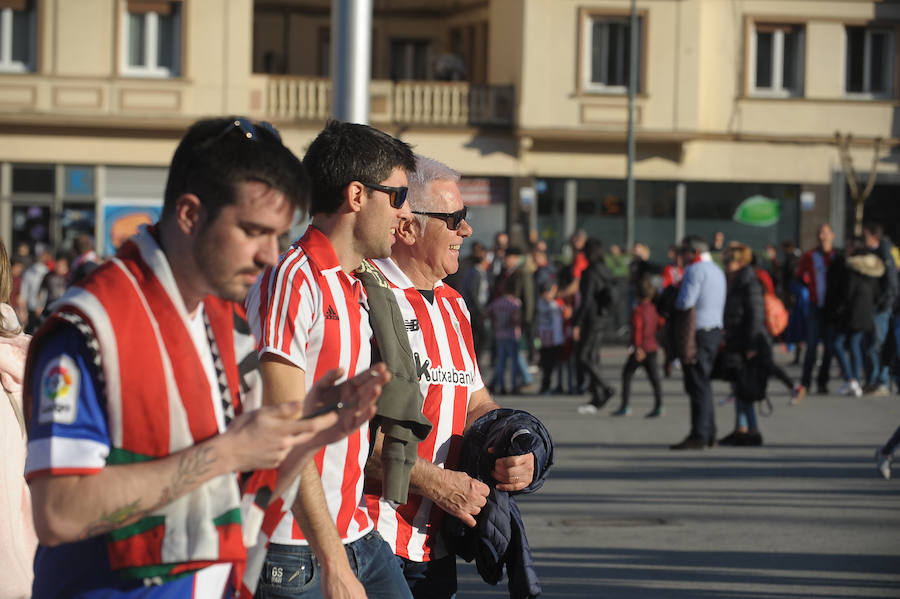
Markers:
point(645, 322)
point(550, 318)
point(505, 313)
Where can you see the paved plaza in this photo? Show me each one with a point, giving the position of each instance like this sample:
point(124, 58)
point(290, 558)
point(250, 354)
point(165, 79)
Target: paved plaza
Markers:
point(622, 516)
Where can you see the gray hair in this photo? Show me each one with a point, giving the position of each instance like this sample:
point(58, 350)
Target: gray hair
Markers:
point(427, 171)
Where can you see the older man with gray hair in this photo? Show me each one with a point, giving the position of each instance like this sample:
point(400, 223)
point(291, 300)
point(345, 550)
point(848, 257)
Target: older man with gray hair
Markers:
point(440, 337)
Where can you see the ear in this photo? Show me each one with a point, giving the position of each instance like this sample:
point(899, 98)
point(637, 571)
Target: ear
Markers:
point(355, 196)
point(408, 231)
point(189, 214)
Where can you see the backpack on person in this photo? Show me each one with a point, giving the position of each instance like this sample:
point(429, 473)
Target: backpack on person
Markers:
point(776, 314)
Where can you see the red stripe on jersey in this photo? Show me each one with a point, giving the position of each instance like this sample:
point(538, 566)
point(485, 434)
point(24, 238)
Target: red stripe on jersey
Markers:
point(431, 409)
point(462, 317)
point(284, 290)
point(125, 326)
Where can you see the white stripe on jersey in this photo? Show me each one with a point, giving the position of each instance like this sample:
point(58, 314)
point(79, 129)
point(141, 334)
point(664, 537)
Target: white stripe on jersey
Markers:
point(310, 320)
point(65, 453)
point(440, 335)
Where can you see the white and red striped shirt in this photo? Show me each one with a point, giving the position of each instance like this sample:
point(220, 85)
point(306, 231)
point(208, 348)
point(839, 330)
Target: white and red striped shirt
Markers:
point(440, 336)
point(307, 310)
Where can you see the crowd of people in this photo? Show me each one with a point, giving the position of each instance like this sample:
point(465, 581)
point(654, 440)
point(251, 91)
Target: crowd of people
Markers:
point(210, 414)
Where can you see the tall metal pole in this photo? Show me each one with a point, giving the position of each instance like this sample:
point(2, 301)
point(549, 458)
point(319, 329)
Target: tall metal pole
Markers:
point(351, 47)
point(632, 88)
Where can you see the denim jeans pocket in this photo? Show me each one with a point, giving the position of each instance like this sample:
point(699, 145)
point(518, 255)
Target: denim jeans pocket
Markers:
point(287, 574)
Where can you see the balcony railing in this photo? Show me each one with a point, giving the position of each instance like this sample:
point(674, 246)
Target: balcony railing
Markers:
point(436, 103)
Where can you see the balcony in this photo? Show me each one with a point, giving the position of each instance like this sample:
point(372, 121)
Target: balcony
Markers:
point(421, 103)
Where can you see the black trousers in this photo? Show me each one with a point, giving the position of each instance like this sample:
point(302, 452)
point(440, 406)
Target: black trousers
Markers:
point(652, 369)
point(549, 361)
point(698, 385)
point(589, 359)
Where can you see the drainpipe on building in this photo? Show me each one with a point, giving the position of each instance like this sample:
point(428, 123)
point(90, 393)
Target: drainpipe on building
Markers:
point(632, 87)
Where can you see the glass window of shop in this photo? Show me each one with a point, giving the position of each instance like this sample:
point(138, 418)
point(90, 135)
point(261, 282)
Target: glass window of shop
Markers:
point(730, 208)
point(33, 187)
point(600, 206)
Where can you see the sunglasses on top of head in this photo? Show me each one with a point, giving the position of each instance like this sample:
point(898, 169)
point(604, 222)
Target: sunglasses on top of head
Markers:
point(453, 219)
point(248, 129)
point(396, 195)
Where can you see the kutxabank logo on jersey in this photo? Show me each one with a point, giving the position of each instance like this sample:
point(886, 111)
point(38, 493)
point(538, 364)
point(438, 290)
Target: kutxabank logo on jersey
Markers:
point(449, 376)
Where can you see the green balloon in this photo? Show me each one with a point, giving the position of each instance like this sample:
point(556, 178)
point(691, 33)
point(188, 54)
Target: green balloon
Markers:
point(758, 211)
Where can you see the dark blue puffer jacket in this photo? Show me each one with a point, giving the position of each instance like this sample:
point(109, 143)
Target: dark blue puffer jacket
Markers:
point(498, 538)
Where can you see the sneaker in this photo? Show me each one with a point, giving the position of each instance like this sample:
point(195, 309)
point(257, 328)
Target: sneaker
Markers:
point(855, 389)
point(883, 463)
point(877, 391)
point(822, 389)
point(797, 394)
point(655, 413)
point(588, 408)
point(626, 411)
point(845, 389)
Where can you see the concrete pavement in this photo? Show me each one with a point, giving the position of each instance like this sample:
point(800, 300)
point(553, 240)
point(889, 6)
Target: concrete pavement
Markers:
point(622, 516)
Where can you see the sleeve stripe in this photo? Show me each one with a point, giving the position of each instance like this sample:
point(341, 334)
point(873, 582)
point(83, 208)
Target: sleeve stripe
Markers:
point(65, 453)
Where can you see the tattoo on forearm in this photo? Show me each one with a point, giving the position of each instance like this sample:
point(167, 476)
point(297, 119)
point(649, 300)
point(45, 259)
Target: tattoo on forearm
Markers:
point(191, 471)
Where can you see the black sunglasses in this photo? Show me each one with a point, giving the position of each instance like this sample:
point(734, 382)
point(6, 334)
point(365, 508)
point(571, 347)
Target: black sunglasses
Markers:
point(396, 195)
point(453, 219)
point(247, 129)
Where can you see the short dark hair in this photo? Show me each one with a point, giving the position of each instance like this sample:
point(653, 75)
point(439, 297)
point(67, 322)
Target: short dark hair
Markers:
point(346, 152)
point(694, 243)
point(593, 250)
point(873, 228)
point(646, 288)
point(217, 154)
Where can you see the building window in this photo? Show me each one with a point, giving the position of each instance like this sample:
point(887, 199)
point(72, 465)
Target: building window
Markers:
point(410, 59)
point(777, 54)
point(152, 38)
point(870, 61)
point(17, 36)
point(608, 54)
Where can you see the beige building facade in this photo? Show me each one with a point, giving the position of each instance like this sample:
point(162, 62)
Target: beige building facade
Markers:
point(736, 112)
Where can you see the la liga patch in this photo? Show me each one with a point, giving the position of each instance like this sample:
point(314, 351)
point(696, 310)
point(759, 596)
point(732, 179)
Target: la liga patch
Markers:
point(59, 391)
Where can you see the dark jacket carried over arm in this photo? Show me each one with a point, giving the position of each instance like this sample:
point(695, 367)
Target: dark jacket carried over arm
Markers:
point(498, 538)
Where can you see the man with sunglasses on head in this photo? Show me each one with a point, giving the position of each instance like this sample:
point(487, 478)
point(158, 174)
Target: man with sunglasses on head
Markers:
point(142, 383)
point(310, 313)
point(440, 337)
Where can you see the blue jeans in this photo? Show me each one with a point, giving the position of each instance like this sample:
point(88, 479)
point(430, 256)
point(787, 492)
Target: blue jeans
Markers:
point(877, 373)
point(852, 366)
point(507, 350)
point(745, 415)
point(430, 580)
point(817, 331)
point(292, 571)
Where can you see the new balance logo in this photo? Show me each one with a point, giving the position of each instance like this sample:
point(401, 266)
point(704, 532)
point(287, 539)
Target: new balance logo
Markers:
point(330, 314)
point(412, 325)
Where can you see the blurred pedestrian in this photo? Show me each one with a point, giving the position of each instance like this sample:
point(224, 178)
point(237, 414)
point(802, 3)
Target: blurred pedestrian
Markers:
point(885, 454)
point(812, 268)
point(551, 333)
point(32, 278)
point(853, 291)
point(645, 323)
point(505, 312)
point(878, 380)
point(86, 259)
point(748, 351)
point(589, 322)
point(701, 299)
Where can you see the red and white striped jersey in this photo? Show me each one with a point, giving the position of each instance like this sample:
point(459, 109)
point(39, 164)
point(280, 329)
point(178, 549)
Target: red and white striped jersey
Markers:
point(307, 310)
point(440, 336)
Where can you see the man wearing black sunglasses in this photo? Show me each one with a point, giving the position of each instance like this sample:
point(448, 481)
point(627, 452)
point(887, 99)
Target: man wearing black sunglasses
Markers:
point(309, 312)
point(440, 333)
point(143, 382)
